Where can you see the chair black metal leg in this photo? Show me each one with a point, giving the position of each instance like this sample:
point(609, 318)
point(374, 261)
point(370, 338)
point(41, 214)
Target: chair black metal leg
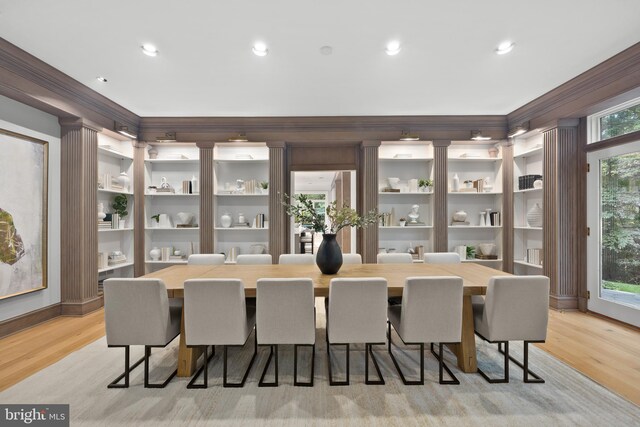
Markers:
point(369, 352)
point(506, 368)
point(147, 384)
point(226, 383)
point(295, 365)
point(262, 382)
point(443, 367)
point(395, 362)
point(525, 367)
point(127, 371)
point(331, 381)
point(204, 367)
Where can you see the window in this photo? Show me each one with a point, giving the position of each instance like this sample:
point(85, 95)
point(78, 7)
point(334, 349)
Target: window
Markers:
point(616, 121)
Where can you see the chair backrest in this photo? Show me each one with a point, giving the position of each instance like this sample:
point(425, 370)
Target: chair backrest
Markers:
point(297, 259)
point(206, 259)
point(351, 259)
point(254, 259)
point(399, 258)
point(215, 312)
point(285, 311)
point(432, 309)
point(357, 310)
point(442, 258)
point(136, 311)
point(517, 308)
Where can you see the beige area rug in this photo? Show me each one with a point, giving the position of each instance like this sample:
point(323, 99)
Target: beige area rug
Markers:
point(568, 398)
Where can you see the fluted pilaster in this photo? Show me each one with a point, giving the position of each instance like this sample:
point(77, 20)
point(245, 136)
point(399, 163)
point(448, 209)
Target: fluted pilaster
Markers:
point(278, 186)
point(507, 204)
point(368, 236)
point(139, 251)
point(206, 198)
point(440, 193)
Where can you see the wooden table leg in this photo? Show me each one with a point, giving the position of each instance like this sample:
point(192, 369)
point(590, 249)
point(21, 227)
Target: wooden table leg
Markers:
point(187, 357)
point(466, 350)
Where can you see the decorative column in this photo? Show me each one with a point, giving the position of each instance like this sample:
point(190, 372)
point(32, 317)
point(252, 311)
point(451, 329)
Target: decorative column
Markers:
point(139, 250)
point(560, 198)
point(79, 216)
point(206, 197)
point(278, 186)
point(440, 192)
point(507, 206)
point(368, 179)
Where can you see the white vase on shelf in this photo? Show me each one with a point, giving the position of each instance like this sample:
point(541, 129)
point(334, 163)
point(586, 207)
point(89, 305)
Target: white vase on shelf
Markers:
point(225, 220)
point(534, 216)
point(124, 180)
point(456, 183)
point(155, 254)
point(101, 214)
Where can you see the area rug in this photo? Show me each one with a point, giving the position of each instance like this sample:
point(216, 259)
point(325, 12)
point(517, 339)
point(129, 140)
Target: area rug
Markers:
point(566, 399)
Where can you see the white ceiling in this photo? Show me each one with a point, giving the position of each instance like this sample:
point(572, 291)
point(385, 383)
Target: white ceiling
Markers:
point(206, 68)
point(313, 181)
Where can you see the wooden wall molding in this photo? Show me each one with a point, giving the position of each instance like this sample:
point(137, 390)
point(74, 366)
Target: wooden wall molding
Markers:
point(367, 237)
point(27, 320)
point(581, 219)
point(278, 186)
point(507, 207)
point(81, 308)
point(440, 195)
point(31, 81)
point(206, 199)
point(607, 84)
point(139, 220)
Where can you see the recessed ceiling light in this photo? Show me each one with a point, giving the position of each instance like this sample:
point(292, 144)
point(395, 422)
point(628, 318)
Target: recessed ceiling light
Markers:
point(406, 136)
point(476, 135)
point(149, 49)
point(260, 49)
point(241, 137)
point(101, 79)
point(505, 47)
point(393, 48)
point(326, 50)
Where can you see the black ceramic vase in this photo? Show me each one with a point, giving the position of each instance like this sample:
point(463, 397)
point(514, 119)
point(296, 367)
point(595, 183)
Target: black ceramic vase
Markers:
point(329, 258)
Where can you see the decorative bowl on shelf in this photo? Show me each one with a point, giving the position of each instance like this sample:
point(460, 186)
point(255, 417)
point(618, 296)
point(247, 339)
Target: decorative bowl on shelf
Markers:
point(486, 248)
point(186, 217)
point(394, 182)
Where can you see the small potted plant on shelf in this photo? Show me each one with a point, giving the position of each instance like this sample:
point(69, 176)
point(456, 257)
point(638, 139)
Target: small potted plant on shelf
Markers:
point(403, 222)
point(468, 183)
point(425, 185)
point(120, 207)
point(157, 218)
point(471, 252)
point(303, 211)
point(264, 187)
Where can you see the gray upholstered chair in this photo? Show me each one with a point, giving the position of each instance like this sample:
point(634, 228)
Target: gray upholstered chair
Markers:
point(297, 259)
point(139, 312)
point(356, 313)
point(442, 258)
point(254, 259)
point(286, 315)
point(205, 259)
point(516, 308)
point(431, 311)
point(395, 258)
point(351, 259)
point(216, 314)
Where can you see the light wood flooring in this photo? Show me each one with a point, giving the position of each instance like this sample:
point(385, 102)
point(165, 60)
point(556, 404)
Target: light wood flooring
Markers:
point(606, 351)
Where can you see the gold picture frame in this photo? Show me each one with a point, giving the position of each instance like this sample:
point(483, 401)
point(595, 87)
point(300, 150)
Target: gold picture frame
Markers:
point(33, 270)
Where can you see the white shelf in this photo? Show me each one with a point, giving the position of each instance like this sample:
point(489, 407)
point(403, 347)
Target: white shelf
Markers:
point(184, 261)
point(172, 195)
point(245, 229)
point(406, 193)
point(111, 153)
point(482, 260)
point(170, 228)
point(405, 159)
point(111, 230)
point(102, 190)
point(526, 264)
point(170, 161)
point(241, 160)
point(528, 228)
point(528, 190)
point(475, 159)
point(471, 193)
point(408, 227)
point(529, 152)
point(115, 267)
point(478, 227)
point(240, 195)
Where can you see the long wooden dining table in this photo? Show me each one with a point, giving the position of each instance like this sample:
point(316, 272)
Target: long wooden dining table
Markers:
point(475, 278)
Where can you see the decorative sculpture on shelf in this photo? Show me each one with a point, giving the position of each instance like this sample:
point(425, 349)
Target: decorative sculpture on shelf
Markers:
point(414, 216)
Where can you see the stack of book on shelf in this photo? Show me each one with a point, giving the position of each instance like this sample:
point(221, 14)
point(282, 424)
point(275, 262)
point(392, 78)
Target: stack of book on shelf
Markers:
point(104, 225)
point(495, 219)
point(250, 186)
point(187, 187)
point(534, 256)
point(418, 253)
point(525, 182)
point(103, 258)
point(117, 257)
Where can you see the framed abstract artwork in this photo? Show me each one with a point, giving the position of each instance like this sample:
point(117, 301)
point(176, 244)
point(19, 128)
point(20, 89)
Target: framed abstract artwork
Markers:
point(23, 214)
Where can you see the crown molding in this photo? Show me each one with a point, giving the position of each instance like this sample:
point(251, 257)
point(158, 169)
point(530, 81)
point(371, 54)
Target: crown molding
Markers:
point(32, 81)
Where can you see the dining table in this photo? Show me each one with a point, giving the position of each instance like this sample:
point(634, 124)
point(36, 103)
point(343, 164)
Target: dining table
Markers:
point(475, 279)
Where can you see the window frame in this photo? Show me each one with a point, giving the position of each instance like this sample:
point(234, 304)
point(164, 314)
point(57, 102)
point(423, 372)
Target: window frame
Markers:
point(593, 121)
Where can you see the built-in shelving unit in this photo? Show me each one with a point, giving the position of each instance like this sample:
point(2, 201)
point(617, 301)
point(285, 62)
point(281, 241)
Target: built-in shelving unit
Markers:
point(114, 157)
point(178, 166)
point(407, 162)
point(527, 160)
point(239, 169)
point(473, 161)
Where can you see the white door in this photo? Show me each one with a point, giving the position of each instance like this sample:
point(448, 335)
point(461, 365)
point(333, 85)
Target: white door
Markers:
point(613, 217)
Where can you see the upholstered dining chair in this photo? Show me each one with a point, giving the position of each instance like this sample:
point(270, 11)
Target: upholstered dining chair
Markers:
point(442, 258)
point(431, 312)
point(139, 312)
point(216, 314)
point(254, 259)
point(205, 259)
point(351, 259)
point(395, 258)
point(356, 313)
point(516, 308)
point(286, 315)
point(297, 259)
